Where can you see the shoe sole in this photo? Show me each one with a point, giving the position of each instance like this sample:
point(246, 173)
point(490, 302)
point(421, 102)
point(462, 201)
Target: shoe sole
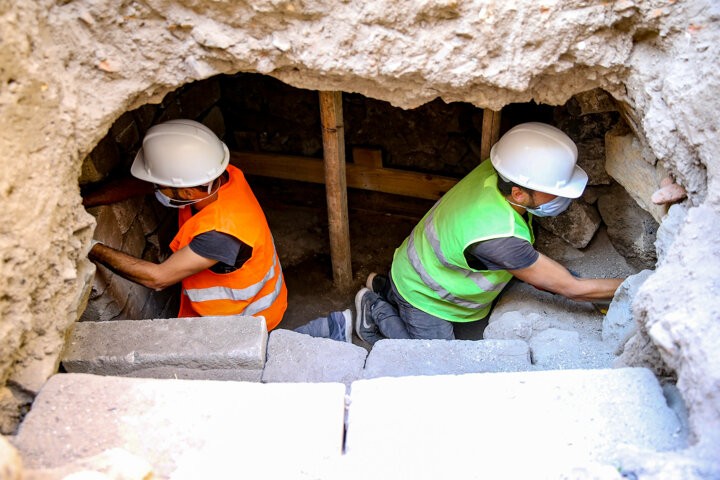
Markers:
point(358, 310)
point(368, 282)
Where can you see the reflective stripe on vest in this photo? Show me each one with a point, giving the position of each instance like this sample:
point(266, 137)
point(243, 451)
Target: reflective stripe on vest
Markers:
point(241, 294)
point(477, 277)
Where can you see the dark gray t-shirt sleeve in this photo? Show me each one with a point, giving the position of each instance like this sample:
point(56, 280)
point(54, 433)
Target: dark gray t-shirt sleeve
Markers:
point(509, 253)
point(222, 247)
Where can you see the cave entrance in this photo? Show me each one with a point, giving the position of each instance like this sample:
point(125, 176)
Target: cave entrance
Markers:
point(398, 162)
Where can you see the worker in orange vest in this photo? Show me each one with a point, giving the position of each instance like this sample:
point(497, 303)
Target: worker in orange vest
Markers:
point(223, 253)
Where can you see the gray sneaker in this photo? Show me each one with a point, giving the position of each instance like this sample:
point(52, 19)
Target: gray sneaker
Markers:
point(340, 325)
point(377, 283)
point(365, 326)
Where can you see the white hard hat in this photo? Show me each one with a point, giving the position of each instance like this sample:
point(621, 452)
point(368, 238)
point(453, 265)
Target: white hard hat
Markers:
point(180, 153)
point(539, 157)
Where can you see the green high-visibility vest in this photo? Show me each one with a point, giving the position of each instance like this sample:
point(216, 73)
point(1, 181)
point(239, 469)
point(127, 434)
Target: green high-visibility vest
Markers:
point(430, 270)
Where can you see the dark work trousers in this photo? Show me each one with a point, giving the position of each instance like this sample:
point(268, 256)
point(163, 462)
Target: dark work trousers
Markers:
point(396, 318)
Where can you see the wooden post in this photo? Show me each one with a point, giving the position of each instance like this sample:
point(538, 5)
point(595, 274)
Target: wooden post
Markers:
point(335, 186)
point(490, 132)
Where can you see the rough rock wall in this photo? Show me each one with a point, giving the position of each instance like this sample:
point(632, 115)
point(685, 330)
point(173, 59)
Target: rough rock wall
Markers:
point(71, 67)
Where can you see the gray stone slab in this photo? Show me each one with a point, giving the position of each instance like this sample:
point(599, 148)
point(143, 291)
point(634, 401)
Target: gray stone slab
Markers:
point(229, 374)
point(619, 324)
point(395, 358)
point(203, 343)
point(504, 425)
point(296, 357)
point(187, 429)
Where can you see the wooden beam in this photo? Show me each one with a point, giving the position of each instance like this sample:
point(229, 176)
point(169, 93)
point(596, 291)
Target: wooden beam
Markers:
point(367, 157)
point(306, 169)
point(333, 136)
point(490, 132)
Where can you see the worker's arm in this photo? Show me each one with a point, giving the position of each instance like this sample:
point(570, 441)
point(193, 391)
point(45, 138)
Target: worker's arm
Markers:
point(547, 274)
point(115, 191)
point(157, 276)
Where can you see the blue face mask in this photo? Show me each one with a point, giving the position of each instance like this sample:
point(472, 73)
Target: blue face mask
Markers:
point(552, 208)
point(173, 203)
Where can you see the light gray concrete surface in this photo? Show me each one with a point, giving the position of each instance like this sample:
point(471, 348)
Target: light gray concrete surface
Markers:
point(395, 358)
point(296, 357)
point(128, 347)
point(187, 429)
point(505, 425)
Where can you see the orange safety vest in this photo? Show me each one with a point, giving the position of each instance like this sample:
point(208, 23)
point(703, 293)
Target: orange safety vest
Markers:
point(257, 288)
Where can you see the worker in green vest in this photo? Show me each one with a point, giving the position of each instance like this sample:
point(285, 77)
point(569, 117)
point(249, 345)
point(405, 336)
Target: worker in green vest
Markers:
point(479, 235)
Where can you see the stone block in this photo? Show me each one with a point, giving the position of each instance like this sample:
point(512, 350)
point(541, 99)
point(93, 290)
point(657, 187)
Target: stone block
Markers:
point(187, 428)
point(669, 228)
point(203, 343)
point(10, 462)
point(577, 225)
point(635, 168)
point(104, 158)
point(296, 357)
point(591, 158)
point(397, 358)
point(555, 349)
point(184, 373)
point(214, 121)
point(199, 97)
point(125, 132)
point(144, 117)
point(515, 325)
point(591, 101)
point(114, 463)
point(631, 229)
point(526, 424)
point(619, 323)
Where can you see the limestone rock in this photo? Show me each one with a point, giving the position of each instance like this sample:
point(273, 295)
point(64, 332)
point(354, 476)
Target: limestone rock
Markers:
point(553, 348)
point(577, 225)
point(515, 325)
point(112, 464)
point(619, 322)
point(631, 229)
point(668, 230)
point(635, 168)
point(10, 462)
point(296, 357)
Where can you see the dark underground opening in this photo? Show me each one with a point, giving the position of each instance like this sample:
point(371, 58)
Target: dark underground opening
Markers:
point(257, 114)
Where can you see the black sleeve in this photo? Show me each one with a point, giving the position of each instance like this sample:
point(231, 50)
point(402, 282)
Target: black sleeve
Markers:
point(221, 247)
point(509, 253)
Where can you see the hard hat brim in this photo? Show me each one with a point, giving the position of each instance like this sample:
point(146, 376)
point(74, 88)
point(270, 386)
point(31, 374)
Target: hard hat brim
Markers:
point(573, 188)
point(139, 170)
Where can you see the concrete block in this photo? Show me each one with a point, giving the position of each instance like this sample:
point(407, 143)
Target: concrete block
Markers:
point(504, 425)
point(296, 357)
point(169, 345)
point(396, 358)
point(187, 429)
